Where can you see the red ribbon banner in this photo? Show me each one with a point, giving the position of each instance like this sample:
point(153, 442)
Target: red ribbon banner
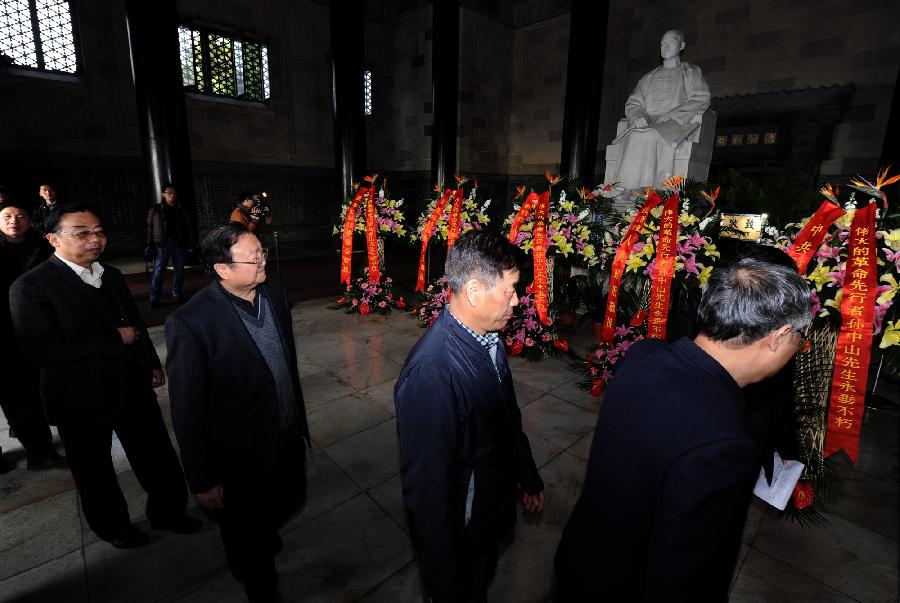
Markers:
point(665, 268)
point(810, 238)
point(454, 226)
point(347, 235)
point(618, 266)
point(539, 256)
point(427, 231)
point(372, 237)
point(527, 205)
point(854, 344)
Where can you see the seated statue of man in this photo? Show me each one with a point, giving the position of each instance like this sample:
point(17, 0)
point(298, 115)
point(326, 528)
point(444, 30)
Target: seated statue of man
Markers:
point(665, 108)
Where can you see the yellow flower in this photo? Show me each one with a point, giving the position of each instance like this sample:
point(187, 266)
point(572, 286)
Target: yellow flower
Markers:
point(710, 250)
point(834, 303)
point(527, 226)
point(845, 220)
point(704, 275)
point(483, 219)
point(588, 251)
point(335, 230)
point(562, 244)
point(647, 250)
point(657, 211)
point(891, 280)
point(891, 334)
point(892, 239)
point(443, 230)
point(527, 245)
point(686, 219)
point(567, 206)
point(399, 216)
point(819, 277)
point(635, 263)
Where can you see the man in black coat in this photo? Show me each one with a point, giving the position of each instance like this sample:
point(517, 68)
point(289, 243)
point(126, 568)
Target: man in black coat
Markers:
point(237, 406)
point(674, 461)
point(463, 453)
point(77, 319)
point(21, 249)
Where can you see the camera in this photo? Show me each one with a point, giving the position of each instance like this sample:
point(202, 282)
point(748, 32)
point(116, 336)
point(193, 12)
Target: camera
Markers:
point(260, 207)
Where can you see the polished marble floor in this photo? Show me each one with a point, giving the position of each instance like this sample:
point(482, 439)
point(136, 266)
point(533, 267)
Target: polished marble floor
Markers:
point(350, 542)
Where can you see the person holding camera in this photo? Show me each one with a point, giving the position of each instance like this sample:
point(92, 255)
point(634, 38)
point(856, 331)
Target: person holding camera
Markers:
point(250, 212)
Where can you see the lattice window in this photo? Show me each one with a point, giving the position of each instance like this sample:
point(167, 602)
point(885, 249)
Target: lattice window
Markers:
point(223, 65)
point(721, 140)
point(737, 139)
point(771, 138)
point(367, 92)
point(752, 138)
point(39, 34)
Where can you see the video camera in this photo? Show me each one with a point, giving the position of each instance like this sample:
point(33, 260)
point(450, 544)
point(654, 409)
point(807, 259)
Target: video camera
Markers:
point(260, 207)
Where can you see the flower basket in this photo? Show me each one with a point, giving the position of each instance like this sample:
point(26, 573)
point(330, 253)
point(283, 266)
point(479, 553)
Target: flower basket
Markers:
point(365, 297)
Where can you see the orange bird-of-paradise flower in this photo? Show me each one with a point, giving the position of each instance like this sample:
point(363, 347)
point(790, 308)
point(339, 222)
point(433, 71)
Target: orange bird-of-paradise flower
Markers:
point(830, 192)
point(355, 185)
point(460, 180)
point(711, 197)
point(673, 182)
point(520, 190)
point(863, 185)
point(438, 187)
point(586, 194)
point(551, 178)
point(371, 179)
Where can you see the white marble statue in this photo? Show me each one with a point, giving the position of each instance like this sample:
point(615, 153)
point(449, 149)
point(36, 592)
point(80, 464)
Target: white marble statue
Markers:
point(667, 105)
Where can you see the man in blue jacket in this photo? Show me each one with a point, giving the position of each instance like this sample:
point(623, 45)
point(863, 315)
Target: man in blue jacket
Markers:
point(463, 453)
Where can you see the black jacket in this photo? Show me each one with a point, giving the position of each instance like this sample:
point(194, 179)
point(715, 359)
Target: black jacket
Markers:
point(669, 480)
point(62, 326)
point(456, 418)
point(223, 395)
point(41, 213)
point(37, 250)
point(157, 233)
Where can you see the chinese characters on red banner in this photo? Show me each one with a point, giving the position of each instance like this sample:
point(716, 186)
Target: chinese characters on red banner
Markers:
point(665, 268)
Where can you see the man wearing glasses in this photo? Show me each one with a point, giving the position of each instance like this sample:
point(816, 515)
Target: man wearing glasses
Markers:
point(237, 406)
point(77, 319)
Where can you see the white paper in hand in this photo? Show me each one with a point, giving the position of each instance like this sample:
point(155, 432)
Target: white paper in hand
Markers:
point(784, 478)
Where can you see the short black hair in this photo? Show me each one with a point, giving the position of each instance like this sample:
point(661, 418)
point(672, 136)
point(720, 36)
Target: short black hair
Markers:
point(746, 300)
point(51, 222)
point(244, 195)
point(215, 248)
point(166, 185)
point(18, 204)
point(481, 254)
point(770, 254)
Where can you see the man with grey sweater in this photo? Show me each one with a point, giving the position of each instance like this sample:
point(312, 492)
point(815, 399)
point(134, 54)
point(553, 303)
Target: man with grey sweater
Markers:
point(237, 406)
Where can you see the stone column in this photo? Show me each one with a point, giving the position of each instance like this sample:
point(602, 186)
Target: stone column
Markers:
point(159, 92)
point(347, 64)
point(445, 86)
point(584, 86)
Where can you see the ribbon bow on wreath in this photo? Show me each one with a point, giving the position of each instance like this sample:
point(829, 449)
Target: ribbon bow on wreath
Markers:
point(453, 229)
point(363, 195)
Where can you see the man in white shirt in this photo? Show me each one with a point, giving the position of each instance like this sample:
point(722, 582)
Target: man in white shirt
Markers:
point(77, 319)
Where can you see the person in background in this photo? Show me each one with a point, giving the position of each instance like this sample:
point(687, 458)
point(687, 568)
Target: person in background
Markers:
point(249, 213)
point(169, 230)
point(237, 405)
point(48, 205)
point(77, 319)
point(21, 249)
point(673, 462)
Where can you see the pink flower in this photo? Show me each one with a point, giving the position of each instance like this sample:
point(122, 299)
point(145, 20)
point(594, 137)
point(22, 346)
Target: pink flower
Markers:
point(651, 268)
point(880, 311)
point(690, 264)
point(695, 240)
point(354, 303)
point(529, 341)
point(816, 303)
point(531, 324)
point(637, 247)
point(521, 236)
point(622, 331)
point(545, 336)
point(382, 304)
point(838, 277)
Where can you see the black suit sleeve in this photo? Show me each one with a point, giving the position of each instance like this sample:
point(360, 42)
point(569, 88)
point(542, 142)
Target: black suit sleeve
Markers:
point(427, 429)
point(698, 522)
point(143, 346)
point(39, 331)
point(186, 365)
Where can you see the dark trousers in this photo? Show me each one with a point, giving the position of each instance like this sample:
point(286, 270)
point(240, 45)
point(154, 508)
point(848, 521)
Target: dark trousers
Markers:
point(24, 411)
point(140, 428)
point(163, 253)
point(251, 517)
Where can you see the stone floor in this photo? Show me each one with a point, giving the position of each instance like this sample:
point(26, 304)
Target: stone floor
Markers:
point(350, 542)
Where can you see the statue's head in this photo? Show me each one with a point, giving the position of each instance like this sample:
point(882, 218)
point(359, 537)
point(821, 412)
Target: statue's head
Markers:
point(672, 44)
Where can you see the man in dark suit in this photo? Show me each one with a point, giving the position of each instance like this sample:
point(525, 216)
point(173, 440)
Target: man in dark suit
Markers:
point(21, 249)
point(463, 454)
point(237, 406)
point(673, 462)
point(77, 319)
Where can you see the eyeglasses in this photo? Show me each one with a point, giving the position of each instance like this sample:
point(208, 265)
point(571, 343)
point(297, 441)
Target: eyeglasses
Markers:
point(805, 341)
point(259, 261)
point(83, 235)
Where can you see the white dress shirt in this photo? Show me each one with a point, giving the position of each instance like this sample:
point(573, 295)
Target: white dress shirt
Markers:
point(93, 277)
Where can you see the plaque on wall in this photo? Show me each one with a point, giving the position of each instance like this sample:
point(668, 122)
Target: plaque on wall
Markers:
point(745, 227)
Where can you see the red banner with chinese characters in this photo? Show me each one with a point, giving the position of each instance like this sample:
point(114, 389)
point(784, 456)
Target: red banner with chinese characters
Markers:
point(810, 238)
point(618, 266)
point(539, 256)
point(527, 205)
point(854, 344)
point(427, 231)
point(661, 287)
point(347, 236)
point(454, 225)
point(372, 237)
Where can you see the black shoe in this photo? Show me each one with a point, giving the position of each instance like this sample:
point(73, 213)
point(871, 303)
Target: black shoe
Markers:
point(53, 460)
point(183, 524)
point(129, 538)
point(154, 303)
